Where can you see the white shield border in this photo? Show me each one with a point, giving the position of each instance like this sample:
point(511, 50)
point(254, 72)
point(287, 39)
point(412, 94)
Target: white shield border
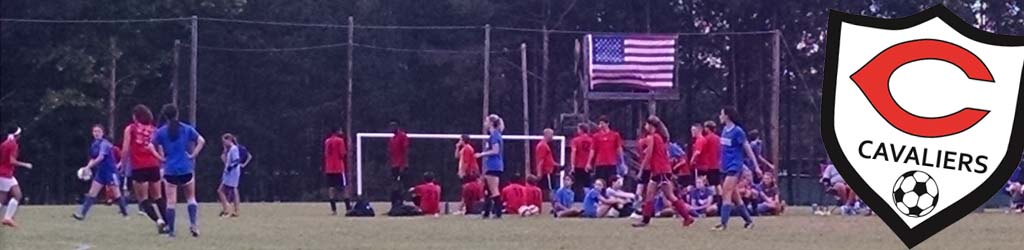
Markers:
point(913, 236)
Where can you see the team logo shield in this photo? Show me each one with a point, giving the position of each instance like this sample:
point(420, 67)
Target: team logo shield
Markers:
point(922, 115)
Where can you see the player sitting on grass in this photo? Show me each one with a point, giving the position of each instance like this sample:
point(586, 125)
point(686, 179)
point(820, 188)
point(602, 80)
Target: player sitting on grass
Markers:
point(771, 203)
point(534, 197)
point(701, 199)
point(835, 185)
point(564, 199)
point(514, 195)
point(622, 200)
point(472, 197)
point(1015, 189)
point(427, 196)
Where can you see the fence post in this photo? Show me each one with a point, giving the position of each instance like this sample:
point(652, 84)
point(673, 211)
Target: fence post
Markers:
point(773, 123)
point(193, 84)
point(348, 99)
point(487, 73)
point(526, 109)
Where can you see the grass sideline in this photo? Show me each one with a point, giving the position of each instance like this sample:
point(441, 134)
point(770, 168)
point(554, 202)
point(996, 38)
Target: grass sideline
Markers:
point(307, 226)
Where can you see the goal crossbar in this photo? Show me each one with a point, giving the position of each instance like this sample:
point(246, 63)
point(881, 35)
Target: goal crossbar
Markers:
point(360, 136)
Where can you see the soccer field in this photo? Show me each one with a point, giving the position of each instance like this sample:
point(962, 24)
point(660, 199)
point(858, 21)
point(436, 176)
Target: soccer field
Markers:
point(307, 226)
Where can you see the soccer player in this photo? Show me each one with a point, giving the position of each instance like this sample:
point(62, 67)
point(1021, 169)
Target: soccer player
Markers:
point(592, 200)
point(335, 154)
point(772, 203)
point(702, 199)
point(544, 160)
point(655, 161)
point(607, 149)
point(836, 185)
point(757, 146)
point(427, 196)
point(398, 148)
point(104, 176)
point(514, 194)
point(180, 143)
point(144, 161)
point(533, 201)
point(564, 200)
point(620, 200)
point(9, 188)
point(228, 190)
point(706, 155)
point(734, 147)
point(494, 165)
point(1015, 190)
point(472, 195)
point(469, 169)
point(582, 153)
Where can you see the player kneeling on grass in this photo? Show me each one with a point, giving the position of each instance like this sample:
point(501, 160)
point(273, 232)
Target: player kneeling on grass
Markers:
point(514, 195)
point(563, 200)
point(427, 196)
point(101, 157)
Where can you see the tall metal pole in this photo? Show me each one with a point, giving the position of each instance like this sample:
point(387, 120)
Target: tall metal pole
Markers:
point(487, 73)
point(112, 88)
point(773, 123)
point(526, 108)
point(348, 99)
point(174, 73)
point(193, 84)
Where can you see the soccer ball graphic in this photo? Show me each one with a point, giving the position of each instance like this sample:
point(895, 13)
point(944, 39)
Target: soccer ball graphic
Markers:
point(915, 194)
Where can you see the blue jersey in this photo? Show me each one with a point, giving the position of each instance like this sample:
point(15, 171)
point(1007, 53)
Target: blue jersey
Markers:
point(699, 195)
point(494, 162)
point(732, 140)
point(590, 202)
point(102, 147)
point(1018, 174)
point(564, 197)
point(232, 168)
point(176, 151)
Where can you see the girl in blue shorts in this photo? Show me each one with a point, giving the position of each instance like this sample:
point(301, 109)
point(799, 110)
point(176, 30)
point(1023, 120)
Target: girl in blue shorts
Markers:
point(101, 157)
point(734, 148)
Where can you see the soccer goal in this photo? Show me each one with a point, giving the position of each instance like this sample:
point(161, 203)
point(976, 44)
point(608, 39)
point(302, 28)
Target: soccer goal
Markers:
point(560, 140)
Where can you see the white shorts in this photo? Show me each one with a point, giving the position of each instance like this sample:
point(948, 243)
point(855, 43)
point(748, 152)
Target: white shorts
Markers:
point(7, 183)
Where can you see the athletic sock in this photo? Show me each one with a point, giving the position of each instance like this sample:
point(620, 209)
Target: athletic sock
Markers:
point(745, 213)
point(334, 205)
point(169, 219)
point(648, 211)
point(499, 207)
point(682, 209)
point(348, 204)
point(725, 213)
point(12, 207)
point(161, 206)
point(488, 202)
point(122, 204)
point(193, 213)
point(147, 207)
point(86, 204)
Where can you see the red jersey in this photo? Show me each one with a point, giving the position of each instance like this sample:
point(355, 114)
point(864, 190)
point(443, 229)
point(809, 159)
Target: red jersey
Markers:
point(514, 196)
point(398, 146)
point(334, 155)
point(430, 197)
point(472, 193)
point(658, 162)
point(467, 161)
point(606, 147)
point(544, 158)
point(710, 152)
point(583, 145)
point(534, 196)
point(8, 150)
point(139, 147)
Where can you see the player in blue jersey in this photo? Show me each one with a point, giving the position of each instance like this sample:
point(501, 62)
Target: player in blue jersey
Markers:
point(180, 143)
point(1015, 188)
point(494, 166)
point(735, 148)
point(101, 157)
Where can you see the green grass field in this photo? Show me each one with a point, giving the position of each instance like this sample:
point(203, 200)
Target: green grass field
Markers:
point(307, 226)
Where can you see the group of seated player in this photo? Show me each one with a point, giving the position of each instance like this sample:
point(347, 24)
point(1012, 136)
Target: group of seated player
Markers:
point(1015, 190)
point(847, 201)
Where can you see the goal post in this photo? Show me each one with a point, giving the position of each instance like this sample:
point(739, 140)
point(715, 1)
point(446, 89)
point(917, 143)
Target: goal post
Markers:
point(359, 147)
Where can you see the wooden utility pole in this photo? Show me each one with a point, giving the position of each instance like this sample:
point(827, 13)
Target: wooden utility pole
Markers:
point(348, 99)
point(174, 73)
point(773, 126)
point(545, 95)
point(526, 107)
point(193, 84)
point(112, 88)
point(487, 73)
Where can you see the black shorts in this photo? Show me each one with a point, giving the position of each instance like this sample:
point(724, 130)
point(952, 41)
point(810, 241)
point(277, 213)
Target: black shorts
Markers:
point(336, 180)
point(396, 173)
point(580, 178)
point(179, 180)
point(661, 179)
point(714, 176)
point(146, 175)
point(494, 173)
point(645, 176)
point(605, 172)
point(685, 181)
point(549, 182)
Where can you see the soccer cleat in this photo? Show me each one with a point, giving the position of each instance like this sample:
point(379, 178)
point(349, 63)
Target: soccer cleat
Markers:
point(161, 228)
point(748, 225)
point(718, 227)
point(10, 223)
point(194, 231)
point(234, 215)
point(639, 225)
point(687, 221)
point(77, 217)
point(223, 214)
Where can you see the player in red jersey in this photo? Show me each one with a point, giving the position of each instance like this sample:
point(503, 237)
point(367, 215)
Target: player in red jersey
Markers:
point(469, 168)
point(707, 155)
point(533, 201)
point(141, 156)
point(427, 196)
point(544, 160)
point(582, 152)
point(607, 149)
point(335, 152)
point(514, 194)
point(656, 162)
point(472, 195)
point(9, 188)
point(398, 148)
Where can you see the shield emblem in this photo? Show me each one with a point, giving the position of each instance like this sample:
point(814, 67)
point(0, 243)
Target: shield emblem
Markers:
point(922, 115)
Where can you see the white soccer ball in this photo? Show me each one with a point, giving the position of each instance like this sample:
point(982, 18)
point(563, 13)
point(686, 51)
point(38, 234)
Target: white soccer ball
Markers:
point(84, 174)
point(915, 194)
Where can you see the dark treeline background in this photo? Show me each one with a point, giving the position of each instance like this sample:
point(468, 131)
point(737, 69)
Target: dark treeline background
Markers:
point(55, 77)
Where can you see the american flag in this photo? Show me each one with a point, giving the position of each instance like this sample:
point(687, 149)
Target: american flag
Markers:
point(643, 61)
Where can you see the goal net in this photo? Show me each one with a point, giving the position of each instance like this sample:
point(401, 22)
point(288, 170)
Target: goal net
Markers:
point(514, 144)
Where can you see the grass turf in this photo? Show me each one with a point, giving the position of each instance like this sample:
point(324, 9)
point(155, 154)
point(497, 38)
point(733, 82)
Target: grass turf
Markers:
point(307, 226)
